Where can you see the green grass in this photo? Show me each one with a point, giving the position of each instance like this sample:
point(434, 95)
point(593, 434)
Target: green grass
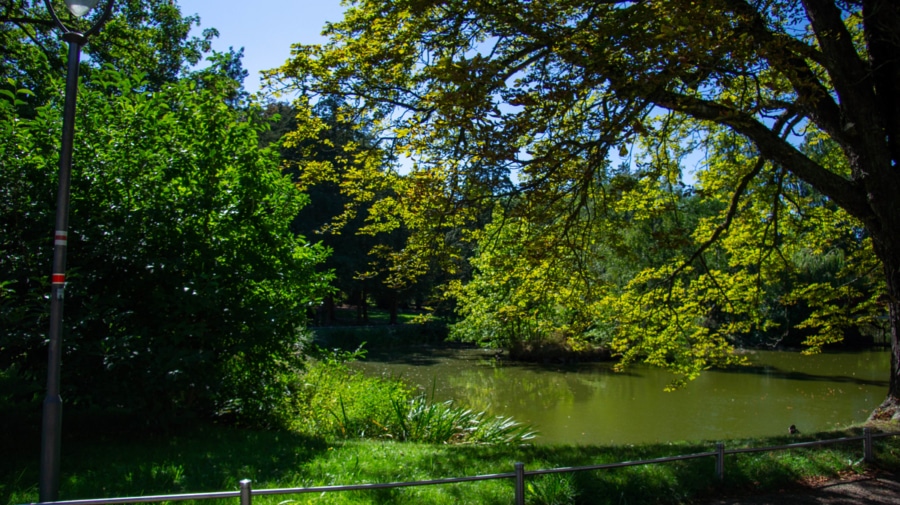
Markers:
point(116, 457)
point(342, 427)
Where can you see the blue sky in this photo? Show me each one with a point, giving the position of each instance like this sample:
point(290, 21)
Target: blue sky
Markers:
point(264, 28)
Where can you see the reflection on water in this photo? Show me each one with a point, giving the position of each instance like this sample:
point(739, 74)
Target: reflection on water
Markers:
point(589, 403)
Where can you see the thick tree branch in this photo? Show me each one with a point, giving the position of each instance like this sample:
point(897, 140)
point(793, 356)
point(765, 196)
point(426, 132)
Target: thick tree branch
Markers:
point(846, 193)
point(27, 21)
point(864, 120)
point(849, 73)
point(813, 96)
point(882, 28)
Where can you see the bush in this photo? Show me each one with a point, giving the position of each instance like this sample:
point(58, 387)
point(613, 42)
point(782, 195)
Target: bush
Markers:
point(185, 281)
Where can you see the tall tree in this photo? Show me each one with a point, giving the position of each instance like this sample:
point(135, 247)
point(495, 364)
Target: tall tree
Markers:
point(545, 89)
point(335, 159)
point(149, 37)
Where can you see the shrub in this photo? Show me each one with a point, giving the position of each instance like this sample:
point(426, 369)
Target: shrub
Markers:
point(185, 280)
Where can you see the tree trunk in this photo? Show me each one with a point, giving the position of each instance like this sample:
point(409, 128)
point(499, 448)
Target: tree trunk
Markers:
point(330, 315)
point(395, 308)
point(890, 256)
point(881, 20)
point(362, 308)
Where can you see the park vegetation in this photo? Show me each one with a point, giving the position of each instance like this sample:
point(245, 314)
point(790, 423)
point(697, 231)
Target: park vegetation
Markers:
point(186, 280)
point(218, 457)
point(671, 180)
point(192, 284)
point(658, 182)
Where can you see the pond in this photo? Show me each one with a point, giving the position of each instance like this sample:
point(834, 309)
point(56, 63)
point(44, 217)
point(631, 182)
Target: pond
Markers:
point(591, 404)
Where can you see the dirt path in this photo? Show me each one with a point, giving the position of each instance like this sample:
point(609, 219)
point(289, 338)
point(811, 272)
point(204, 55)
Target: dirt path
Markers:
point(879, 488)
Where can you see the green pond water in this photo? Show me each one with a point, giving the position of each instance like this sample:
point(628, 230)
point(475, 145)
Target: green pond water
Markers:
point(591, 404)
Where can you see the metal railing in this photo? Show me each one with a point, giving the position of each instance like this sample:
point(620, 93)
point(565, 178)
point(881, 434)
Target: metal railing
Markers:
point(246, 493)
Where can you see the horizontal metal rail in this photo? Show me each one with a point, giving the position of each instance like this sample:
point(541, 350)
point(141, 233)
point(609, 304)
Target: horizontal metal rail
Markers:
point(148, 499)
point(275, 491)
point(358, 487)
point(246, 492)
point(620, 465)
point(796, 445)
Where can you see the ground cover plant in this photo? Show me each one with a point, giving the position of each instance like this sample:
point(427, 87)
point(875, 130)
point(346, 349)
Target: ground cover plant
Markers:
point(349, 428)
point(114, 458)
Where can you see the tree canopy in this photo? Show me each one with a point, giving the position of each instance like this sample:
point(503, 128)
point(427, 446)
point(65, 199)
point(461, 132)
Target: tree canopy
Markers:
point(525, 103)
point(187, 289)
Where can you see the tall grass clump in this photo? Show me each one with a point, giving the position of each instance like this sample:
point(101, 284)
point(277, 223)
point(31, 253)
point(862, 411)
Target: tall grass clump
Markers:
point(421, 419)
point(339, 403)
point(336, 402)
point(552, 489)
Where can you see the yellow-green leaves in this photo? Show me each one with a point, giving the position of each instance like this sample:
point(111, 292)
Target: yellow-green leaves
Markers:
point(510, 111)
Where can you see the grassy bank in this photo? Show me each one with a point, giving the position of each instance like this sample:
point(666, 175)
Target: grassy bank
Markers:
point(106, 458)
point(328, 410)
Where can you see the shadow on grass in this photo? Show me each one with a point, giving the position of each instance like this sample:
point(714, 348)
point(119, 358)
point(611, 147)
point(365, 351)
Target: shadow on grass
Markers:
point(107, 456)
point(670, 482)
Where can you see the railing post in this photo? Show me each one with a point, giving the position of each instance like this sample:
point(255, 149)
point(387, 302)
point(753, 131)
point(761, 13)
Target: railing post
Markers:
point(868, 448)
point(720, 460)
point(245, 492)
point(520, 483)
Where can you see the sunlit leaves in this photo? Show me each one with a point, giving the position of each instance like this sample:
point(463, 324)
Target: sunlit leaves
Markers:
point(510, 112)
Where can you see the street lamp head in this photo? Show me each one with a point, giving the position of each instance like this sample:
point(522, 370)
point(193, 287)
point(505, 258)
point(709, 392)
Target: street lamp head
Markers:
point(80, 8)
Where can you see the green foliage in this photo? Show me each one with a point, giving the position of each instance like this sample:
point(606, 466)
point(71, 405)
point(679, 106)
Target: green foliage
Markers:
point(26, 207)
point(322, 154)
point(552, 489)
point(540, 281)
point(149, 37)
point(509, 111)
point(216, 458)
point(769, 271)
point(528, 292)
point(652, 273)
point(187, 291)
point(337, 402)
point(424, 420)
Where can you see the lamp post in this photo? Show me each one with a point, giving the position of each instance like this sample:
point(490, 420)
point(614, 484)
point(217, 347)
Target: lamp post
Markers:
point(52, 410)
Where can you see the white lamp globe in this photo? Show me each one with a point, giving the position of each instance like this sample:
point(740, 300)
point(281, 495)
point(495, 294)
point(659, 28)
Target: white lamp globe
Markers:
point(80, 7)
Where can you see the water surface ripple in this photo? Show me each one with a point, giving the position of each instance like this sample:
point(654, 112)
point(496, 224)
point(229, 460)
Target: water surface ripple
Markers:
point(591, 404)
